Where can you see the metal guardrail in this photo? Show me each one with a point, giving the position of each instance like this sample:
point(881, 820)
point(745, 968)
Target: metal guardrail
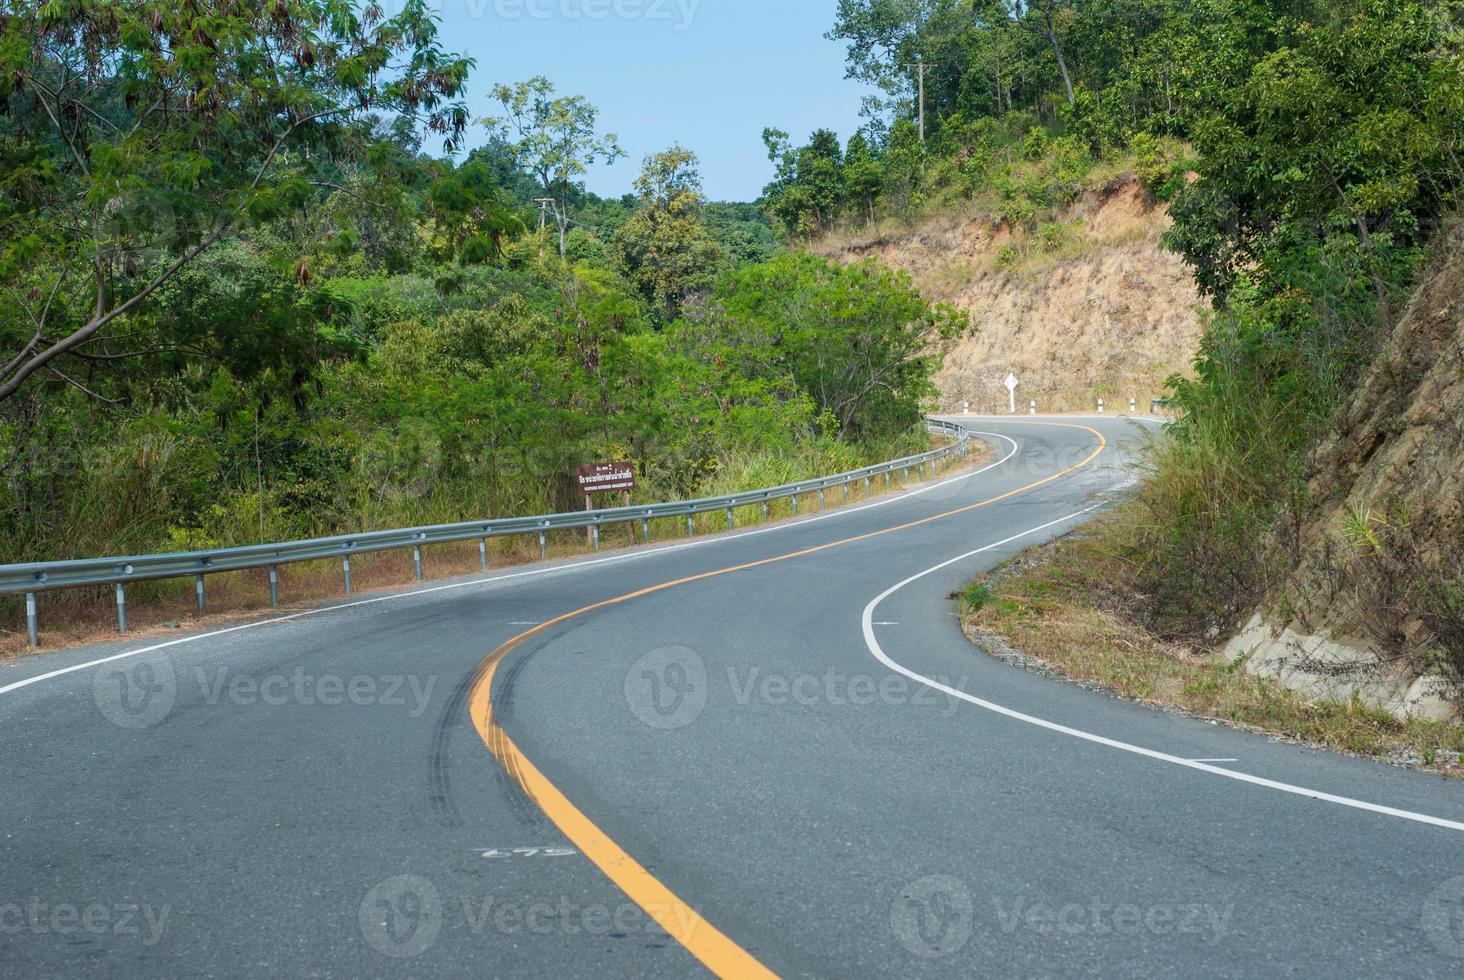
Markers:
point(36, 577)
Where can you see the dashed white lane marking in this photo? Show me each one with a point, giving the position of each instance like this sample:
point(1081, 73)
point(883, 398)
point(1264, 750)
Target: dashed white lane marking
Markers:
point(1214, 760)
point(533, 572)
point(879, 654)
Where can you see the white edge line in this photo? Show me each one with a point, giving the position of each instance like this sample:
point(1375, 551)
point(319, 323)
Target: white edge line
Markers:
point(882, 657)
point(533, 572)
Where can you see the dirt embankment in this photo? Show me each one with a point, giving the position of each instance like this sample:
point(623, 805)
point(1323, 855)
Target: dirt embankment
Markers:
point(1376, 605)
point(1093, 306)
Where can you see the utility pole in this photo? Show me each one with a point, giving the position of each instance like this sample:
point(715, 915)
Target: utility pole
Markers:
point(922, 101)
point(544, 203)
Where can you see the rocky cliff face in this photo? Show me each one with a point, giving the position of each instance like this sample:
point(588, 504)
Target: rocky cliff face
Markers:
point(1376, 605)
point(1097, 308)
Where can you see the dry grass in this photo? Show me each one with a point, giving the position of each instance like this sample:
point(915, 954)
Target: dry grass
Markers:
point(1064, 606)
point(74, 617)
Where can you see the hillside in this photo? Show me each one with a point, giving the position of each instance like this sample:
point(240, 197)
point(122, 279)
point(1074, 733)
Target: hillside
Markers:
point(1376, 604)
point(1089, 306)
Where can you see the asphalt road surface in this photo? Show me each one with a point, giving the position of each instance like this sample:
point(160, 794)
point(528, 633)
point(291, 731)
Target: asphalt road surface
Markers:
point(768, 751)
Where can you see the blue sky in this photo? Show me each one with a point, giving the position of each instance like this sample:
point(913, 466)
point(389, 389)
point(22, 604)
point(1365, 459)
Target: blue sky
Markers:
point(709, 74)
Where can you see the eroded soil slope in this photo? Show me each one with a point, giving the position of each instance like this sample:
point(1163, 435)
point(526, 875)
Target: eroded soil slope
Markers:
point(1102, 311)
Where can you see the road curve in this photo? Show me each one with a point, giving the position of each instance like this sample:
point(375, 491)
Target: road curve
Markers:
point(722, 755)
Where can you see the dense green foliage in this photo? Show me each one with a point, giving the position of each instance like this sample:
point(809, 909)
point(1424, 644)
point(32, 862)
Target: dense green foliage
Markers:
point(241, 300)
point(1309, 153)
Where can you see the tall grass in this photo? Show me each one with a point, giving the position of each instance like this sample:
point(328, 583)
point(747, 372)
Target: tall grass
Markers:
point(1216, 521)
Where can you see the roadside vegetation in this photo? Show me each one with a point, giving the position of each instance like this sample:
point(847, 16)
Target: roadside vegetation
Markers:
point(1070, 609)
point(1309, 155)
point(254, 289)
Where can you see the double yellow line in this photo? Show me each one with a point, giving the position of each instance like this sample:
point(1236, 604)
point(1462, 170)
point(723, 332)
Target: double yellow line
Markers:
point(683, 923)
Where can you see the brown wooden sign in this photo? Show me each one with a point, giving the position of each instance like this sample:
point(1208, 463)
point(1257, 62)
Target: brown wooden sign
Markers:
point(605, 478)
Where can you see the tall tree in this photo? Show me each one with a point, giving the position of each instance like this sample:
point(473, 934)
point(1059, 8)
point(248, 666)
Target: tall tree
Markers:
point(888, 40)
point(862, 176)
point(1042, 18)
point(554, 138)
point(138, 136)
point(667, 251)
point(858, 338)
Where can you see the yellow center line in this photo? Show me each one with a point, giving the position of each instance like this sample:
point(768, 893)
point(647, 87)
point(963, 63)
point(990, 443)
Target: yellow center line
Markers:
point(683, 923)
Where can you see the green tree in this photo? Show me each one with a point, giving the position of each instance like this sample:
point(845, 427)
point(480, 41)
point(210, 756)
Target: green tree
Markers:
point(1044, 18)
point(138, 136)
point(858, 339)
point(888, 39)
point(904, 168)
point(1350, 131)
point(554, 138)
point(807, 190)
point(471, 219)
point(863, 176)
point(820, 172)
point(667, 252)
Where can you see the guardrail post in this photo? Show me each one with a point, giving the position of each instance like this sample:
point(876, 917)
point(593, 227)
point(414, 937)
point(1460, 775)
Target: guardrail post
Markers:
point(198, 591)
point(274, 586)
point(646, 529)
point(121, 608)
point(483, 553)
point(595, 535)
point(866, 487)
point(730, 523)
point(543, 547)
point(794, 500)
point(32, 627)
point(688, 525)
point(346, 571)
point(821, 501)
point(846, 491)
point(417, 561)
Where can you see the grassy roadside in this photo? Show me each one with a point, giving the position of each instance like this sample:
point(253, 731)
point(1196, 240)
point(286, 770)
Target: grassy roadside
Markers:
point(74, 617)
point(1063, 609)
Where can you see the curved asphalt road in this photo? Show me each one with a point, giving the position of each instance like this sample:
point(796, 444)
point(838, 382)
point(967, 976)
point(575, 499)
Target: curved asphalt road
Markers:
point(311, 797)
